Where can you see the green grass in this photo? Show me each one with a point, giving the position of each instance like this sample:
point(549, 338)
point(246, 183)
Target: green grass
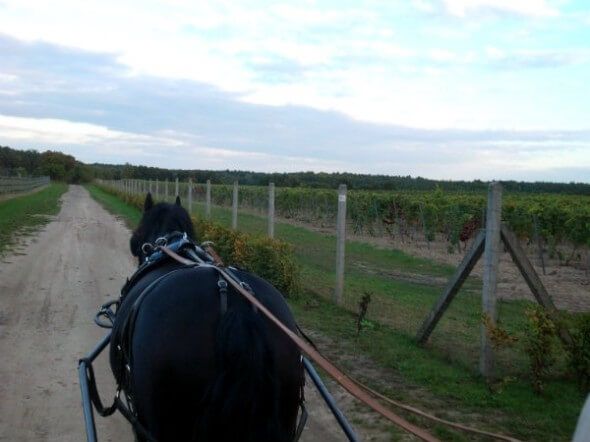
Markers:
point(448, 366)
point(404, 289)
point(515, 410)
point(25, 214)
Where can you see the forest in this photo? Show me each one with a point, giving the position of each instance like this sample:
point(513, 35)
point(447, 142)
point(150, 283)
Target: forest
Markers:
point(63, 167)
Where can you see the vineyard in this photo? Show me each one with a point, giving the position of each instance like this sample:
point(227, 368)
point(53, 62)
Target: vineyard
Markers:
point(427, 216)
point(403, 288)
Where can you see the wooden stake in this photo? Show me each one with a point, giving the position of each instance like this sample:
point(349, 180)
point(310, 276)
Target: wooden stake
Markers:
point(208, 200)
point(452, 288)
point(532, 279)
point(271, 210)
point(234, 211)
point(190, 196)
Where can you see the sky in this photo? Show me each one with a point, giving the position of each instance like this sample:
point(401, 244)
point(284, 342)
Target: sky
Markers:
point(443, 89)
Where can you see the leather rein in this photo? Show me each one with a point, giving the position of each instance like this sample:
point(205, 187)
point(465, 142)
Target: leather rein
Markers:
point(346, 382)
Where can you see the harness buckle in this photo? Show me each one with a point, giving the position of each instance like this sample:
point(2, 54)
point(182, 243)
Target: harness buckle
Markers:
point(147, 248)
point(161, 241)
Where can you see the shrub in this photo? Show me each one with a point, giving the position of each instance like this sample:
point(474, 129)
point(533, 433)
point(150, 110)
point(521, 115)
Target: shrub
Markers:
point(538, 342)
point(578, 353)
point(268, 258)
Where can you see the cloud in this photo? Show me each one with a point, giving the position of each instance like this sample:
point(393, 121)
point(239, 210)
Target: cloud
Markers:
point(526, 8)
point(90, 105)
point(536, 59)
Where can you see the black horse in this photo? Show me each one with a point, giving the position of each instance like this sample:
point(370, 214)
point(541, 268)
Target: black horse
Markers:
point(197, 365)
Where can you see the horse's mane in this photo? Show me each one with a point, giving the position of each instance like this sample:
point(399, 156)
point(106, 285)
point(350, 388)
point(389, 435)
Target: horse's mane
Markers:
point(165, 217)
point(158, 220)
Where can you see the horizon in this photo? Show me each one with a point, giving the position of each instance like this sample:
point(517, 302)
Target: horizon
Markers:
point(456, 90)
point(309, 171)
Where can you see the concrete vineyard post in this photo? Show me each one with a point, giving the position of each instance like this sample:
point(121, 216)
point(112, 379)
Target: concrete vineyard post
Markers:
point(208, 200)
point(176, 189)
point(234, 211)
point(190, 196)
point(271, 210)
point(491, 256)
point(166, 190)
point(340, 243)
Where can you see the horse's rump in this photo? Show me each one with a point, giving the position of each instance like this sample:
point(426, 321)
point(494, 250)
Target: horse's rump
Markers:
point(197, 373)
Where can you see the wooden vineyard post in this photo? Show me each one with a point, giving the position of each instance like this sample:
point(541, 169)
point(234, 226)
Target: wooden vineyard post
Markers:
point(234, 207)
point(532, 279)
point(490, 277)
point(157, 190)
point(488, 243)
point(452, 288)
point(190, 196)
point(208, 200)
point(150, 186)
point(271, 210)
point(166, 190)
point(340, 243)
point(176, 189)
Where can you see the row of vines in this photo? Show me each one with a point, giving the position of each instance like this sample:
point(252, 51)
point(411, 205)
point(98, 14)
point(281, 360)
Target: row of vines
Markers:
point(551, 217)
point(428, 216)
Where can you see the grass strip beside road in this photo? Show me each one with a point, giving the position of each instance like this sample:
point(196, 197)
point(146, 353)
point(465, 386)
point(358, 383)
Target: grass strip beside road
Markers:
point(24, 215)
point(447, 368)
point(129, 214)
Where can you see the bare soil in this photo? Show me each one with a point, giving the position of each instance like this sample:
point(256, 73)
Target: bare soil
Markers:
point(51, 285)
point(568, 285)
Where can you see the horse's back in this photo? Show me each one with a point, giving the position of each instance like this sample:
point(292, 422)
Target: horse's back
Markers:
point(184, 347)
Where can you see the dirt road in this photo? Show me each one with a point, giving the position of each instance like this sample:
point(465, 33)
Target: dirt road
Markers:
point(50, 287)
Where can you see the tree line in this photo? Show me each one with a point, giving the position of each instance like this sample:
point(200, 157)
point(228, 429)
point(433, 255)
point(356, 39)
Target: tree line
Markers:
point(57, 165)
point(63, 167)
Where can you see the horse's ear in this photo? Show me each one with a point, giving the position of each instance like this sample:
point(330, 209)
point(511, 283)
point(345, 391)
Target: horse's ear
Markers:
point(177, 200)
point(149, 202)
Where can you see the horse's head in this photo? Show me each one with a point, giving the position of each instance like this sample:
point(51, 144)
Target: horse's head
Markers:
point(159, 220)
